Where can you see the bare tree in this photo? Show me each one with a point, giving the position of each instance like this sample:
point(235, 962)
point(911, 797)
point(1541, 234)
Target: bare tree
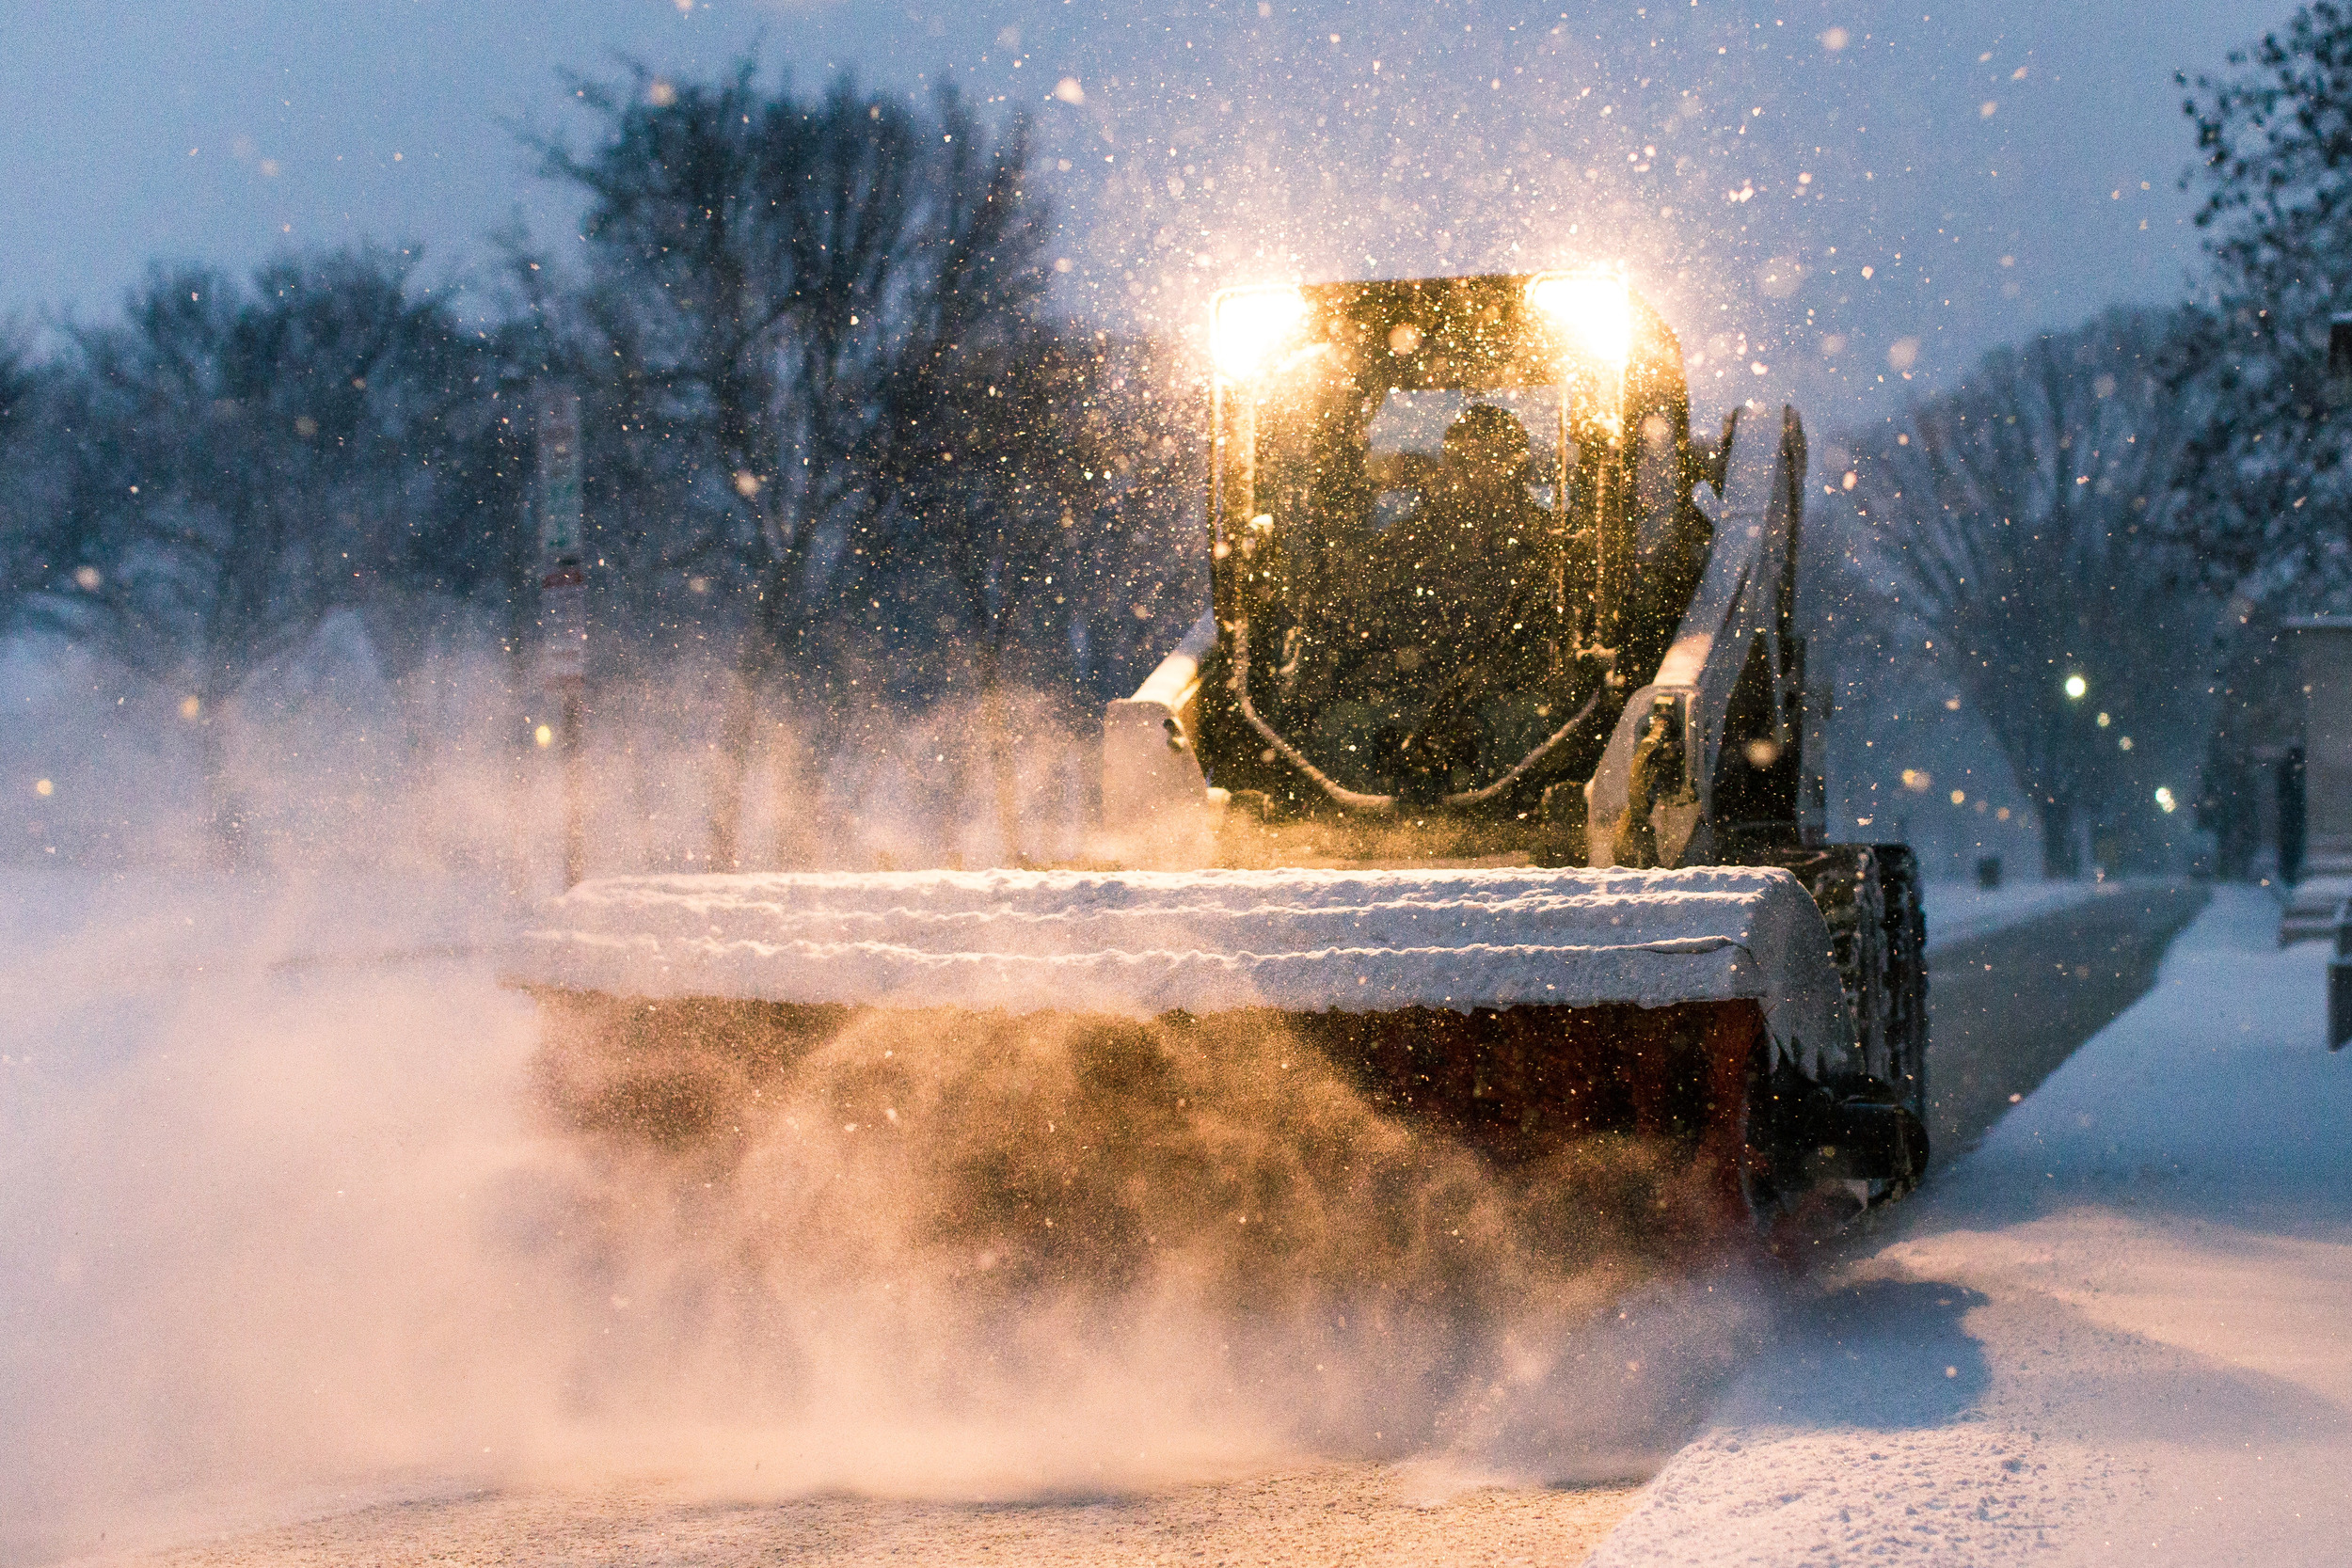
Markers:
point(2267, 465)
point(1044, 554)
point(240, 464)
point(798, 273)
point(1138, 566)
point(976, 465)
point(2025, 512)
point(26, 522)
point(754, 245)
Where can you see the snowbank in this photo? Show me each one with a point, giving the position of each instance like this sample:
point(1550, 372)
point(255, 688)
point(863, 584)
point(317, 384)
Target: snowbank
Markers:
point(1147, 943)
point(2119, 1328)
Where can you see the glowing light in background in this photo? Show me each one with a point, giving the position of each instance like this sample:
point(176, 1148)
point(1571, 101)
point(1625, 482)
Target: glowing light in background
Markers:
point(1250, 324)
point(544, 736)
point(2077, 687)
point(1592, 307)
point(2164, 800)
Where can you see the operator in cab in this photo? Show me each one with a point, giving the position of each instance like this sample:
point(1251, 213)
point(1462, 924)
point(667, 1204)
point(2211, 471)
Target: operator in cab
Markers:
point(1449, 572)
point(1451, 593)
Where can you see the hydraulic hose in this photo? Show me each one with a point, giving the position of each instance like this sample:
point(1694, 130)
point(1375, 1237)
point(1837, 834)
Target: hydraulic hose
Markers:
point(1340, 794)
point(1353, 800)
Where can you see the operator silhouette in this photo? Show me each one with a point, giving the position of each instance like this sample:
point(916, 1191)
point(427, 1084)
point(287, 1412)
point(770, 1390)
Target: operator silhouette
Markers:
point(1449, 593)
point(1447, 575)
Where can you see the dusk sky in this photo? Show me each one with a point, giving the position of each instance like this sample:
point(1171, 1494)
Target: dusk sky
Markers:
point(1997, 166)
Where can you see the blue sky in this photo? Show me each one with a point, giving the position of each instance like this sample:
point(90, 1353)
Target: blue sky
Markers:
point(1999, 167)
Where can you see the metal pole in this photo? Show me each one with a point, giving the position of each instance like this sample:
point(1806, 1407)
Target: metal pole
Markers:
point(574, 835)
point(2339, 386)
point(563, 602)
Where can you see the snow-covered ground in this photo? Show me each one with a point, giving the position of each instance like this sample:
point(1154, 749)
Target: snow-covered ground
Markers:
point(256, 1131)
point(2121, 1328)
point(1961, 911)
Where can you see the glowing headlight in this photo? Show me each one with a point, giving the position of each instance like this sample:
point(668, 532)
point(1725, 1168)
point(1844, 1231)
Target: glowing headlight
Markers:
point(1594, 309)
point(1250, 324)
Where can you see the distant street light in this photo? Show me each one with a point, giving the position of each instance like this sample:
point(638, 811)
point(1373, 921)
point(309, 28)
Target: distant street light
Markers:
point(2077, 687)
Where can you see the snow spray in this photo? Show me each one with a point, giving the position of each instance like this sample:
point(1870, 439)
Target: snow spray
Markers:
point(343, 1235)
point(1160, 1242)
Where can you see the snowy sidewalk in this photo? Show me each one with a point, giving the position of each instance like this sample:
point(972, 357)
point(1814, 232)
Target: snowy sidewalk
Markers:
point(2119, 1329)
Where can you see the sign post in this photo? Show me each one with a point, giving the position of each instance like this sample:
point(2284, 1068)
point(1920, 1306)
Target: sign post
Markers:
point(562, 598)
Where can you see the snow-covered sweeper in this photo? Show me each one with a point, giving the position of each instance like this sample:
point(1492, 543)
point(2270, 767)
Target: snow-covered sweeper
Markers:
point(1491, 773)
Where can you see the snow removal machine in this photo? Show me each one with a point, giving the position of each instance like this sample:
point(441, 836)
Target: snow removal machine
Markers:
point(1491, 774)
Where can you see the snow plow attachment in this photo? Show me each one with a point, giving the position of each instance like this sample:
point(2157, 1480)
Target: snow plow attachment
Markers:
point(1492, 774)
point(1514, 1011)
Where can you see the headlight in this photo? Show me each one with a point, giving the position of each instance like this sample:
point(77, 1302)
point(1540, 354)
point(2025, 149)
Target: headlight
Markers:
point(1249, 325)
point(1592, 308)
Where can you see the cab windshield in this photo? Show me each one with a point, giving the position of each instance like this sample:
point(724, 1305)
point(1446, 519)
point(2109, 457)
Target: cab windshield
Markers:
point(1428, 569)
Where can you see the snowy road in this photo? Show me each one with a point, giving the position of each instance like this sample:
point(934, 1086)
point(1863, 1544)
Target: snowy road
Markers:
point(2007, 1004)
point(1337, 1514)
point(159, 1025)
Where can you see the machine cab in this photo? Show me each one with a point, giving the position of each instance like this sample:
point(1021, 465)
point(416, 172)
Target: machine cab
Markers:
point(1450, 529)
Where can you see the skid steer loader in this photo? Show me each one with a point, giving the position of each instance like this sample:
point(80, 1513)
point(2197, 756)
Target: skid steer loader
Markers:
point(1491, 772)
